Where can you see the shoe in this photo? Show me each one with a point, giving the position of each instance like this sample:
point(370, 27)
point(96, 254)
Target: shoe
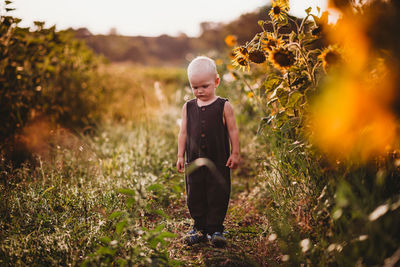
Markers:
point(194, 237)
point(218, 239)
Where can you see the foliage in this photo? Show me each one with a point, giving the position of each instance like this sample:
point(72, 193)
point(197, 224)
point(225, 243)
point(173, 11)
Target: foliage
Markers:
point(99, 201)
point(325, 208)
point(47, 73)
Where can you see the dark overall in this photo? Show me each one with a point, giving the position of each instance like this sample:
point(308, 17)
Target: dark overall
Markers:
point(208, 190)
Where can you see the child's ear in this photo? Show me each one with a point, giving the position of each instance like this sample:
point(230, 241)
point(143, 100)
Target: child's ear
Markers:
point(217, 81)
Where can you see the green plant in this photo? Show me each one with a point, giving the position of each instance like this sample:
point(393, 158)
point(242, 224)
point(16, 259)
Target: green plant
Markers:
point(325, 207)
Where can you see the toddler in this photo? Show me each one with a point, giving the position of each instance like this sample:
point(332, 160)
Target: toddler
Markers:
point(209, 132)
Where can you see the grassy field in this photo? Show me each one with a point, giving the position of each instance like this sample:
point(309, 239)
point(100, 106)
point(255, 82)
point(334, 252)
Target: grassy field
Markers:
point(114, 196)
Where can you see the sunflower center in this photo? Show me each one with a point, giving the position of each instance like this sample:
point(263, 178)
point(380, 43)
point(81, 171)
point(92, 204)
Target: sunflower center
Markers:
point(242, 61)
point(283, 59)
point(277, 10)
point(257, 56)
point(271, 43)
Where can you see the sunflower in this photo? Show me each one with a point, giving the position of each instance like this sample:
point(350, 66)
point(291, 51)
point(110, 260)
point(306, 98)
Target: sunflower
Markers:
point(271, 42)
point(241, 62)
point(240, 51)
point(282, 58)
point(279, 9)
point(330, 57)
point(257, 56)
point(230, 40)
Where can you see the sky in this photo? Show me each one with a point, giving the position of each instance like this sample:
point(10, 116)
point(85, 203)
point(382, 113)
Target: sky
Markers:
point(145, 17)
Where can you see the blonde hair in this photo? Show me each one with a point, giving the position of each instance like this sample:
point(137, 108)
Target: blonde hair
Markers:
point(202, 64)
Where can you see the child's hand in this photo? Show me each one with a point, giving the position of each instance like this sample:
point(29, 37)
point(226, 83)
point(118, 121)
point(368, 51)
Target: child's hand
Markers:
point(180, 164)
point(233, 161)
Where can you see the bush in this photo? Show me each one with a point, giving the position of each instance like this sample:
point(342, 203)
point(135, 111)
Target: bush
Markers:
point(44, 73)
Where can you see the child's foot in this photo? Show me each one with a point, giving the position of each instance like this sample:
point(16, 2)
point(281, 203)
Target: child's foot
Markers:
point(218, 240)
point(194, 237)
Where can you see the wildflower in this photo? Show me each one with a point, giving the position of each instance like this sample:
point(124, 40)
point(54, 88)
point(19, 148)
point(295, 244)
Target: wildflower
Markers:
point(257, 56)
point(271, 42)
point(305, 245)
point(330, 57)
point(250, 94)
point(219, 62)
point(230, 40)
point(279, 10)
point(282, 58)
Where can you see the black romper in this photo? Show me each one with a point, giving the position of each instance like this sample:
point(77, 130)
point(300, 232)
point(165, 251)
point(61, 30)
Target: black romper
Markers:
point(207, 191)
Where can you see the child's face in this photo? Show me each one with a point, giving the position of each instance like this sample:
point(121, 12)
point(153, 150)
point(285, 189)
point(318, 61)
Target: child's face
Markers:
point(204, 85)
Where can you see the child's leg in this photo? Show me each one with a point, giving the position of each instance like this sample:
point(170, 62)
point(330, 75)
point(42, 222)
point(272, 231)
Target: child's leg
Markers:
point(218, 193)
point(197, 198)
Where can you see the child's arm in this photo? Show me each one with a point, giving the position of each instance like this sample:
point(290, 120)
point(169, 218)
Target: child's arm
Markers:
point(233, 160)
point(180, 164)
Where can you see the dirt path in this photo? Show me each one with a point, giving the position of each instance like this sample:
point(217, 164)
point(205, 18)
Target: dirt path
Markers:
point(247, 237)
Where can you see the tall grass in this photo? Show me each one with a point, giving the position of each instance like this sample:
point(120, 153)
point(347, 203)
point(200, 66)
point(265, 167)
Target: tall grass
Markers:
point(94, 201)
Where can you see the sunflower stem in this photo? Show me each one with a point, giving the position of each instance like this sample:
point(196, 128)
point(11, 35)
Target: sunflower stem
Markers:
point(251, 89)
point(309, 70)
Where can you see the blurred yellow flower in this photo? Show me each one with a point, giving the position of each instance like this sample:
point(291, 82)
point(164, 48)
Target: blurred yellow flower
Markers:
point(219, 61)
point(250, 94)
point(348, 121)
point(279, 9)
point(352, 117)
point(230, 40)
point(350, 35)
point(331, 58)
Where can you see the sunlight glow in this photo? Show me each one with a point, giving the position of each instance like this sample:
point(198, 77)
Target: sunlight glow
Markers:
point(147, 18)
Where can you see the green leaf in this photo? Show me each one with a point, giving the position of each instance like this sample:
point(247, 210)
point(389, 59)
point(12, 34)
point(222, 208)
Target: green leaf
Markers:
point(116, 214)
point(38, 23)
point(308, 10)
point(293, 99)
point(272, 83)
point(126, 191)
point(105, 239)
point(160, 212)
point(159, 228)
point(292, 36)
point(155, 187)
point(166, 235)
point(122, 262)
point(130, 202)
point(105, 251)
point(290, 124)
point(280, 119)
point(282, 95)
point(119, 228)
